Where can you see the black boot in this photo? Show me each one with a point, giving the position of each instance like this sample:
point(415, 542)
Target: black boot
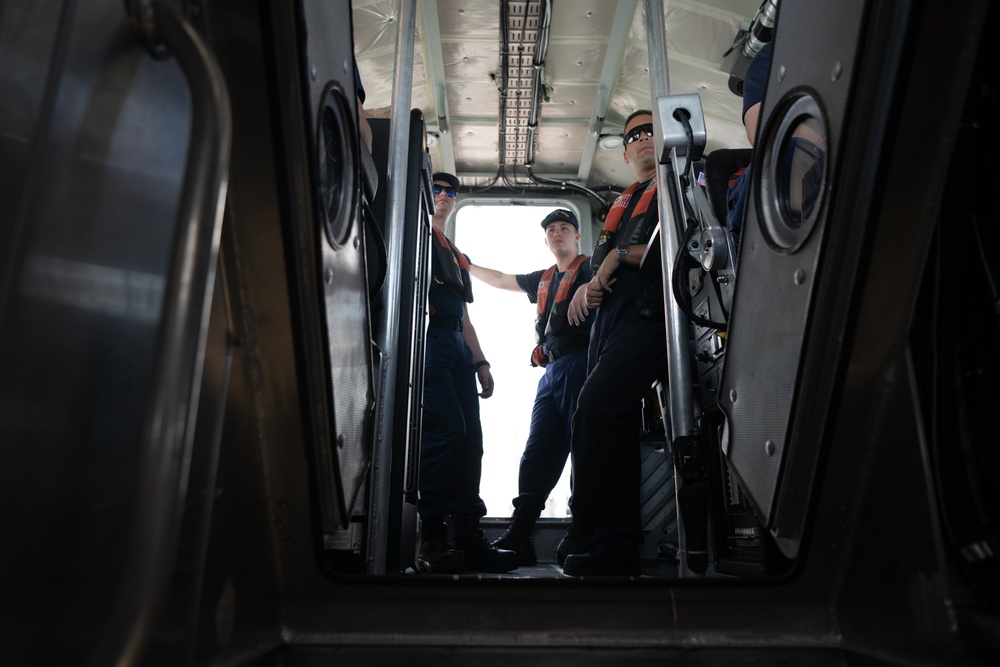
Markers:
point(577, 540)
point(480, 555)
point(606, 559)
point(517, 537)
point(436, 555)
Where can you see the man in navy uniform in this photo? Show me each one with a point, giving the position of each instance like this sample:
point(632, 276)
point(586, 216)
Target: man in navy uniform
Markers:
point(562, 350)
point(451, 437)
point(753, 97)
point(627, 353)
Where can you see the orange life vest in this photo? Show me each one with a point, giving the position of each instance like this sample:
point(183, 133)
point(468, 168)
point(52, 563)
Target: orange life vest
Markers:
point(564, 285)
point(614, 219)
point(618, 208)
point(556, 320)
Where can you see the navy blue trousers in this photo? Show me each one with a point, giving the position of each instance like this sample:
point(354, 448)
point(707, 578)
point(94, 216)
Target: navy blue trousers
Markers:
point(627, 353)
point(548, 443)
point(451, 438)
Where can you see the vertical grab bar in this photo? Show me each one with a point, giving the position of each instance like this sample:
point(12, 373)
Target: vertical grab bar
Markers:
point(171, 408)
point(679, 374)
point(671, 221)
point(387, 335)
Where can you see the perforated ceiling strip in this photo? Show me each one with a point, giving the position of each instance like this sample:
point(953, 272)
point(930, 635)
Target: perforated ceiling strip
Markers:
point(523, 26)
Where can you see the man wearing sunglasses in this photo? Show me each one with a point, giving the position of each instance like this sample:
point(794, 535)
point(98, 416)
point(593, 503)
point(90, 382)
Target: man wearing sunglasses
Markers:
point(451, 437)
point(627, 354)
point(562, 350)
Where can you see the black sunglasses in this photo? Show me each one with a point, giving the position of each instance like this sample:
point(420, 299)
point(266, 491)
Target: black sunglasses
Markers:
point(438, 189)
point(638, 131)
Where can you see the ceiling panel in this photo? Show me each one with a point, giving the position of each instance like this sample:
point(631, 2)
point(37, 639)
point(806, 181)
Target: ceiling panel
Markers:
point(582, 19)
point(575, 60)
point(570, 100)
point(473, 60)
point(470, 98)
point(465, 20)
point(698, 33)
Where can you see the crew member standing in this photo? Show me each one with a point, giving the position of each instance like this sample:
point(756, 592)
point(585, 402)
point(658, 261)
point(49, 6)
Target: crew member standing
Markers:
point(753, 97)
point(627, 353)
point(451, 438)
point(562, 350)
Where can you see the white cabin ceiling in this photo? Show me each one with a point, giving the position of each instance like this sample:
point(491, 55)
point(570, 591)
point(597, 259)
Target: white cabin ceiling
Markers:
point(585, 43)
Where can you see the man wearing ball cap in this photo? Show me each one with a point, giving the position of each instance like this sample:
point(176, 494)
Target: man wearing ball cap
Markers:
point(451, 436)
point(562, 350)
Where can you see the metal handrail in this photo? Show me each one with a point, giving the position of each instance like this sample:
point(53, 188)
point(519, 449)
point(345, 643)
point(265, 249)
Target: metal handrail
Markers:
point(681, 404)
point(171, 410)
point(679, 375)
point(387, 334)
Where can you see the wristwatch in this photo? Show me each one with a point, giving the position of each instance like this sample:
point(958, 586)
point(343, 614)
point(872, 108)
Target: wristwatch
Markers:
point(623, 253)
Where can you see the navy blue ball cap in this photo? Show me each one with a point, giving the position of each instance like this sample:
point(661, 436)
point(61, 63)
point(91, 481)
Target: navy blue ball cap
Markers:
point(447, 178)
point(561, 215)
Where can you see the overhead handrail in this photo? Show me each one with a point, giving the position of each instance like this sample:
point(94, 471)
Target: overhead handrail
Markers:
point(171, 410)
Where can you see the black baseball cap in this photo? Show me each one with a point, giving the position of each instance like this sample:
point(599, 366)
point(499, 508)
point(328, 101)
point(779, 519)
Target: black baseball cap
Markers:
point(447, 178)
point(561, 215)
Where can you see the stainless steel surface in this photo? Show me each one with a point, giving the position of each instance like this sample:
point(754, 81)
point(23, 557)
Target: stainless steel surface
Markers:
point(106, 307)
point(387, 335)
point(678, 368)
point(171, 408)
point(688, 137)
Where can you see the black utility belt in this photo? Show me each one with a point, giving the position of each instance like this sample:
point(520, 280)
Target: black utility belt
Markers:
point(446, 323)
point(561, 352)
